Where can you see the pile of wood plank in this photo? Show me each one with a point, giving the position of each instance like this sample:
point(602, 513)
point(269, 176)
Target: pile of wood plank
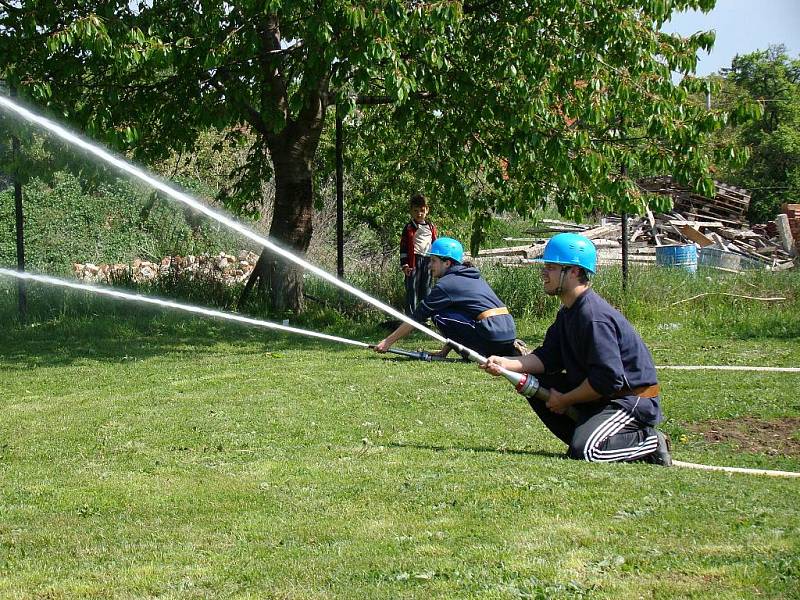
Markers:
point(716, 226)
point(754, 247)
point(792, 221)
point(730, 204)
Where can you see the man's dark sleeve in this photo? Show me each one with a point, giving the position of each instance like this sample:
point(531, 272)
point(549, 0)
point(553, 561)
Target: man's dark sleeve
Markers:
point(435, 302)
point(550, 351)
point(604, 361)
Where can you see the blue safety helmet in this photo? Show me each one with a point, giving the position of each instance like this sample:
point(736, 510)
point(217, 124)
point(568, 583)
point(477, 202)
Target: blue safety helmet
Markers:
point(447, 248)
point(570, 249)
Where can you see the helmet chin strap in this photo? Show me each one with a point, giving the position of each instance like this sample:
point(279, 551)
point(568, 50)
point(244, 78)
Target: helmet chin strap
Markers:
point(564, 270)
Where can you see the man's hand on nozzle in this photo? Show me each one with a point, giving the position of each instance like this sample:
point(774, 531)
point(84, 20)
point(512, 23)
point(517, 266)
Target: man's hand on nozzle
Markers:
point(493, 365)
point(382, 347)
point(407, 270)
point(557, 403)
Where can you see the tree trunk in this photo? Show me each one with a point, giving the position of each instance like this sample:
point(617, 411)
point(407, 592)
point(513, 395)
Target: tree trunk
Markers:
point(292, 153)
point(291, 228)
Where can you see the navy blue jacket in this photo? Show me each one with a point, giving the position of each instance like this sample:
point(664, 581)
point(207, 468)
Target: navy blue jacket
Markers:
point(592, 340)
point(463, 290)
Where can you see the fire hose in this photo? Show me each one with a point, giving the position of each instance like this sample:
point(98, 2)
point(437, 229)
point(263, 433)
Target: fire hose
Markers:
point(419, 355)
point(528, 386)
point(524, 383)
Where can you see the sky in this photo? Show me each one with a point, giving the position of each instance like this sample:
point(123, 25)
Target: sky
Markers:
point(742, 26)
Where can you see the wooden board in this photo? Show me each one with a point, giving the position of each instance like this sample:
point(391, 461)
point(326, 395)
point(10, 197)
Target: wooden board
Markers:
point(696, 224)
point(690, 233)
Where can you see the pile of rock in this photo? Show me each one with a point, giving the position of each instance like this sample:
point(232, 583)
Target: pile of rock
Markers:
point(222, 267)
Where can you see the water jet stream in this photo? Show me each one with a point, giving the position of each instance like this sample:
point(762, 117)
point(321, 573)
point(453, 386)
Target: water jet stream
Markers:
point(131, 170)
point(126, 167)
point(184, 307)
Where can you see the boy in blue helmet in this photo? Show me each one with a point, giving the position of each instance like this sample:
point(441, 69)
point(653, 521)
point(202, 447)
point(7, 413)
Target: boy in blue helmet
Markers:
point(462, 306)
point(604, 393)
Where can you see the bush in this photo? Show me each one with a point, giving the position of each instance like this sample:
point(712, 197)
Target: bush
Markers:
point(115, 222)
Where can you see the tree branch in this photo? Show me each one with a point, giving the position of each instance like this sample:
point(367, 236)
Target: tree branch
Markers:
point(473, 8)
point(298, 44)
point(375, 100)
point(274, 90)
point(253, 116)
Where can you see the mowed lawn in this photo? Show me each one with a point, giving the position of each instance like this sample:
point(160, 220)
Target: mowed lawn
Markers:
point(183, 459)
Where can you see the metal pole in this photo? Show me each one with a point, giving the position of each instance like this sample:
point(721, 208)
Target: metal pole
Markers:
point(22, 293)
point(624, 251)
point(339, 195)
point(624, 173)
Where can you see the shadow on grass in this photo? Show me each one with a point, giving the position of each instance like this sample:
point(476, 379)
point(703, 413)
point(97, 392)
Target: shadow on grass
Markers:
point(124, 332)
point(543, 453)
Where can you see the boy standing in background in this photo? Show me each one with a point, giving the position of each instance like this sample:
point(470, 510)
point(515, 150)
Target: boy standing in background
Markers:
point(415, 242)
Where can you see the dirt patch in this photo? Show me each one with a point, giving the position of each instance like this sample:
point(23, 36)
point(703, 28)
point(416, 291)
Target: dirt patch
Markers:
point(749, 434)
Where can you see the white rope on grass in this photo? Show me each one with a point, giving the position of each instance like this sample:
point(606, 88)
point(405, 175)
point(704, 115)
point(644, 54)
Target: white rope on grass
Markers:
point(689, 465)
point(768, 472)
point(729, 368)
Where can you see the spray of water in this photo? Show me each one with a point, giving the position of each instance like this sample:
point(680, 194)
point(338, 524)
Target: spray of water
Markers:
point(177, 306)
point(126, 167)
point(135, 172)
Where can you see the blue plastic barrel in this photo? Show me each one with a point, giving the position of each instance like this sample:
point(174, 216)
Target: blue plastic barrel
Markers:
point(677, 256)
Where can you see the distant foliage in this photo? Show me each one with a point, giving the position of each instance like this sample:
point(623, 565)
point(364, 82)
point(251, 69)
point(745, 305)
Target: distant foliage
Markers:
point(115, 222)
point(771, 78)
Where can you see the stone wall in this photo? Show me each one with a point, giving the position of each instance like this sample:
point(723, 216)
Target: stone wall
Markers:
point(223, 267)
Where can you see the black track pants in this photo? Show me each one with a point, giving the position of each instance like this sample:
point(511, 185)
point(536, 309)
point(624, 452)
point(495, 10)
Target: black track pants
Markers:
point(603, 432)
point(418, 284)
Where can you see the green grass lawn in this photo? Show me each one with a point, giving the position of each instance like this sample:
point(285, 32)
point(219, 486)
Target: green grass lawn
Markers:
point(145, 456)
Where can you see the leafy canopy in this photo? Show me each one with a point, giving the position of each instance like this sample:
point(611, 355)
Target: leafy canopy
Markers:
point(493, 105)
point(772, 79)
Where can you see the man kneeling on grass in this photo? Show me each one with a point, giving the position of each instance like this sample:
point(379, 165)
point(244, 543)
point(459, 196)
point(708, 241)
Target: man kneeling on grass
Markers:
point(604, 395)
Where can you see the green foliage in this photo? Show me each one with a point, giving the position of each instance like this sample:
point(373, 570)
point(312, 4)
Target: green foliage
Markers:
point(772, 79)
point(490, 108)
point(114, 222)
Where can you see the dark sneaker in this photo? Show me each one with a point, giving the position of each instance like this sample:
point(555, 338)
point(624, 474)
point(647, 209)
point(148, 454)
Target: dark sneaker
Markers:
point(662, 454)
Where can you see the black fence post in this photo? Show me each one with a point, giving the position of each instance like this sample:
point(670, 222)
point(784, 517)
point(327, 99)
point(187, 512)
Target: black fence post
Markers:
point(22, 292)
point(624, 251)
point(339, 194)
